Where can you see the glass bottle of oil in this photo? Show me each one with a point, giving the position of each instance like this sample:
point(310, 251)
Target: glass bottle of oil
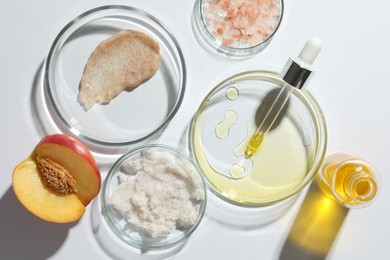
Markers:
point(351, 181)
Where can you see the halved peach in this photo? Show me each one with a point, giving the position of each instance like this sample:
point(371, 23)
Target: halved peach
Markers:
point(58, 179)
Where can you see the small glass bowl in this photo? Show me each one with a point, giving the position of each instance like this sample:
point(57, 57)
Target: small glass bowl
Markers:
point(215, 32)
point(131, 116)
point(289, 156)
point(130, 167)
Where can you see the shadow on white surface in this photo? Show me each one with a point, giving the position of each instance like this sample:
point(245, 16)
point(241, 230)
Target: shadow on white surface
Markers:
point(46, 123)
point(234, 216)
point(315, 228)
point(42, 121)
point(25, 236)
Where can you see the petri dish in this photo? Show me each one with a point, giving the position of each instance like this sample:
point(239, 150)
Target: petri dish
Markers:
point(236, 30)
point(163, 210)
point(289, 156)
point(132, 116)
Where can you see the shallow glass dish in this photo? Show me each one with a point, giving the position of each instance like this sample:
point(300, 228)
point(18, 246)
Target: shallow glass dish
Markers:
point(131, 116)
point(289, 156)
point(236, 30)
point(153, 197)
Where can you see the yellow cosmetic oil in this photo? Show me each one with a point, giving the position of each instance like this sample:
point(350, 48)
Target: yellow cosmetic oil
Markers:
point(294, 74)
point(253, 144)
point(286, 157)
point(278, 167)
point(351, 181)
point(232, 93)
point(222, 129)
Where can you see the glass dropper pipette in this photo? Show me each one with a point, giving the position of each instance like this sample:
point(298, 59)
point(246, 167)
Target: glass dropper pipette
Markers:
point(295, 74)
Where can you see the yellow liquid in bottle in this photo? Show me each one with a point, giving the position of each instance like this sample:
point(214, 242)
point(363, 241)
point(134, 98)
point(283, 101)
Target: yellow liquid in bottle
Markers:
point(352, 183)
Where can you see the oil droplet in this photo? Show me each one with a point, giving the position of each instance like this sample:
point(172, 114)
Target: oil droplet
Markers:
point(232, 93)
point(237, 171)
point(222, 129)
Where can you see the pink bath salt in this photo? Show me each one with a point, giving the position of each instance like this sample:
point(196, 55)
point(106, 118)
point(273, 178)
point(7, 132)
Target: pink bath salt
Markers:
point(241, 23)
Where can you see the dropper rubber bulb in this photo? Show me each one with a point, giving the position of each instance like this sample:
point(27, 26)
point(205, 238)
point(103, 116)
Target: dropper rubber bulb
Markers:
point(295, 74)
point(310, 52)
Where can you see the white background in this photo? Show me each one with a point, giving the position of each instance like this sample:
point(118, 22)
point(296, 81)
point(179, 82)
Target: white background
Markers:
point(351, 85)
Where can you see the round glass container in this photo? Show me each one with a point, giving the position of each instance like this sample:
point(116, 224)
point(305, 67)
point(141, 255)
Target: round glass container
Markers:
point(289, 155)
point(153, 197)
point(132, 116)
point(236, 29)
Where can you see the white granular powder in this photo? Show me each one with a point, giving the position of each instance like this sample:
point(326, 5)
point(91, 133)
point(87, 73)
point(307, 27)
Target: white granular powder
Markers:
point(241, 23)
point(158, 192)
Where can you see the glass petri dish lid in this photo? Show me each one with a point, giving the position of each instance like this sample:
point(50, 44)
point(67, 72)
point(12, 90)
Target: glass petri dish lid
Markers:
point(289, 156)
point(153, 197)
point(236, 30)
point(132, 116)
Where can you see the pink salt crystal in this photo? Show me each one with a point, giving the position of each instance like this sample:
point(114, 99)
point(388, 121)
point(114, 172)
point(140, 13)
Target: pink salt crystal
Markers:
point(241, 23)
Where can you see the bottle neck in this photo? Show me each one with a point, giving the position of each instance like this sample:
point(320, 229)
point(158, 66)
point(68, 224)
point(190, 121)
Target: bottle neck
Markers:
point(295, 74)
point(360, 187)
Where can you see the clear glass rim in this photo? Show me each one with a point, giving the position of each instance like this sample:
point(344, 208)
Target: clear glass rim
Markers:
point(75, 24)
point(136, 243)
point(319, 124)
point(375, 175)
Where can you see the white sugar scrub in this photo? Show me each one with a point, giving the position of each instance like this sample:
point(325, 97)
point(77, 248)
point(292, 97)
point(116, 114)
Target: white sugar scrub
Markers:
point(241, 23)
point(158, 192)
